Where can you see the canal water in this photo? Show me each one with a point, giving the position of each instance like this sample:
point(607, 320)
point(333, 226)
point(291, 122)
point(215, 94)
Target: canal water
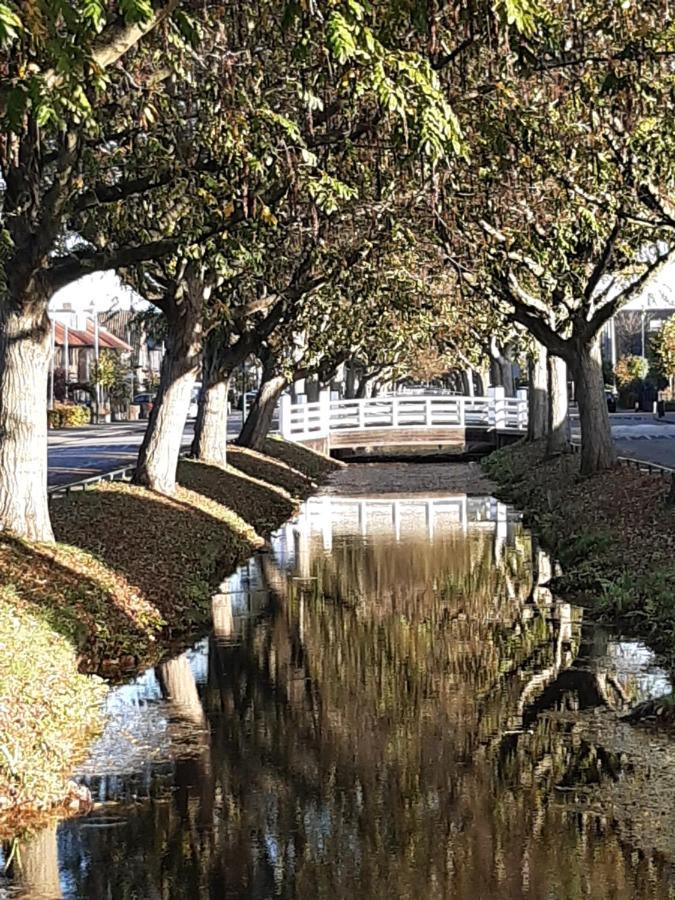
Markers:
point(390, 704)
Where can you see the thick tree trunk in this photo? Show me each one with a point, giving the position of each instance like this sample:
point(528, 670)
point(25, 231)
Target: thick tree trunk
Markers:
point(537, 396)
point(210, 440)
point(158, 456)
point(558, 408)
point(597, 447)
point(259, 420)
point(24, 368)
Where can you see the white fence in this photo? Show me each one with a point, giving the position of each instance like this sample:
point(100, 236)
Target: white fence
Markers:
point(304, 421)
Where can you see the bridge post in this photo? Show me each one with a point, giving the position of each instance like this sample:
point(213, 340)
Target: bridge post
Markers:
point(497, 408)
point(324, 412)
point(285, 416)
point(522, 409)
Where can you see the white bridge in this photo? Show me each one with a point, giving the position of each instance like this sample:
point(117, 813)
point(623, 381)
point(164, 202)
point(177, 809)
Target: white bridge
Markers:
point(440, 420)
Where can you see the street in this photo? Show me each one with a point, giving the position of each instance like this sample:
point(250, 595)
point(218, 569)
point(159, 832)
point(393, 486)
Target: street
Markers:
point(640, 436)
point(84, 452)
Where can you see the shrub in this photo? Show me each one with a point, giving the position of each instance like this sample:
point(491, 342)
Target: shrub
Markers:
point(68, 415)
point(630, 369)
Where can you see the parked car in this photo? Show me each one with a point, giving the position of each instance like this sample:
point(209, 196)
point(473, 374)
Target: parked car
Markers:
point(147, 397)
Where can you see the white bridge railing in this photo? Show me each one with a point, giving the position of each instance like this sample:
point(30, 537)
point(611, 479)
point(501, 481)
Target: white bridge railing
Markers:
point(304, 421)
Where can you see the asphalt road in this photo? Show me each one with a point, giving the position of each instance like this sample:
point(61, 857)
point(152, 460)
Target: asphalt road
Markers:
point(641, 436)
point(83, 452)
point(78, 453)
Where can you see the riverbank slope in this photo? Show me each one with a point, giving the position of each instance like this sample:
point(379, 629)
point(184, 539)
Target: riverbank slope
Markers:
point(613, 534)
point(129, 579)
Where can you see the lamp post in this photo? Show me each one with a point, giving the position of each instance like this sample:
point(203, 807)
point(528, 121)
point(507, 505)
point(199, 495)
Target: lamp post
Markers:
point(51, 381)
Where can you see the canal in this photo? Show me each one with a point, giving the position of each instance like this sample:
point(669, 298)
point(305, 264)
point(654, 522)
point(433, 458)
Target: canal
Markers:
point(390, 704)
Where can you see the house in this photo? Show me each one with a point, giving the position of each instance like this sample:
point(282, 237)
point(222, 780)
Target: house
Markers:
point(630, 330)
point(100, 311)
point(75, 350)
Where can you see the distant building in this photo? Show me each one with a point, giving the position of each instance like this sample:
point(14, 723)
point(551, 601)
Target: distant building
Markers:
point(75, 349)
point(100, 306)
point(631, 329)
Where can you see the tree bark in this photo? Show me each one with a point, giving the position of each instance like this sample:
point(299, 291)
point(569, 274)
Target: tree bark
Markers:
point(597, 447)
point(210, 440)
point(259, 420)
point(537, 395)
point(160, 450)
point(558, 408)
point(24, 369)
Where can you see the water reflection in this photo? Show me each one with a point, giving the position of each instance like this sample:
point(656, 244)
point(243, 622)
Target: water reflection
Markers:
point(389, 706)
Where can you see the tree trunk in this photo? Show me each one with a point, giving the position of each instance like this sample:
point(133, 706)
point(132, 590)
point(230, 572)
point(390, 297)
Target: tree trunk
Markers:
point(537, 395)
point(24, 368)
point(558, 408)
point(597, 447)
point(37, 871)
point(312, 388)
point(158, 456)
point(365, 388)
point(210, 440)
point(259, 420)
point(501, 368)
point(350, 381)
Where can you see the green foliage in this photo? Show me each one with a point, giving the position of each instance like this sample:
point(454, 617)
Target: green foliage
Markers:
point(664, 347)
point(112, 374)
point(68, 415)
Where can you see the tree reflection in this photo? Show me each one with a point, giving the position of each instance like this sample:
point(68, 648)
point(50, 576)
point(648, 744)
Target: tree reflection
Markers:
point(399, 724)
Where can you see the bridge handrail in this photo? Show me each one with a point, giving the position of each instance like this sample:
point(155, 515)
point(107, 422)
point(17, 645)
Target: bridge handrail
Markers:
point(304, 421)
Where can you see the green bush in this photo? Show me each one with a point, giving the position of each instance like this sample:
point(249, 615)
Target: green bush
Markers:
point(68, 415)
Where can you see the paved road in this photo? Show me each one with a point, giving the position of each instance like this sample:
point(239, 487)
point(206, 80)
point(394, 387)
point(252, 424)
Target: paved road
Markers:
point(641, 436)
point(83, 452)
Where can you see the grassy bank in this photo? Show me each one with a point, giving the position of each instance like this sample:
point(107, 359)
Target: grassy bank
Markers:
point(129, 579)
point(613, 535)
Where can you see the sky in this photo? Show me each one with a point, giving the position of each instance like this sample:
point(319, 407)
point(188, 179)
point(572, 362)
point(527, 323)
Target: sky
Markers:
point(100, 291)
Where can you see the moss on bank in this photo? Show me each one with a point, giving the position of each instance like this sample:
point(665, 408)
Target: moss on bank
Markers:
point(613, 534)
point(130, 577)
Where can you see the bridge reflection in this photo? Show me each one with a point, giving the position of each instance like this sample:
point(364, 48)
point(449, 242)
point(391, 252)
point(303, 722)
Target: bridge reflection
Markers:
point(399, 517)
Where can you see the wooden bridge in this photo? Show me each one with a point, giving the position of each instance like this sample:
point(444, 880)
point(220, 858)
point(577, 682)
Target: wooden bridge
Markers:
point(435, 422)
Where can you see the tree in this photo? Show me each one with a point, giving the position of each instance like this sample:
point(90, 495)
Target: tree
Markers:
point(664, 346)
point(58, 74)
point(562, 216)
